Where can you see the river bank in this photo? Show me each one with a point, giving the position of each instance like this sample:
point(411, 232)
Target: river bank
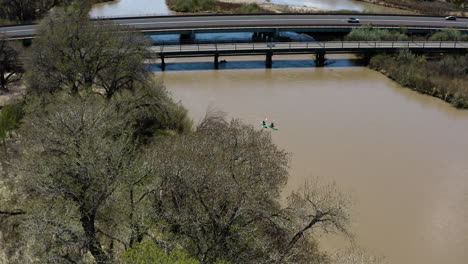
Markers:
point(215, 6)
point(298, 6)
point(275, 8)
point(389, 6)
point(169, 7)
point(432, 8)
point(445, 78)
point(279, 6)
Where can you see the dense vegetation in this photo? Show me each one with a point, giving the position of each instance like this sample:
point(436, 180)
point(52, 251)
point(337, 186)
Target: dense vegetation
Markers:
point(431, 7)
point(193, 6)
point(449, 35)
point(99, 165)
point(446, 78)
point(370, 33)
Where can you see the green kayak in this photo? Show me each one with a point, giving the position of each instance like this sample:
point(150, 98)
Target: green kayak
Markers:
point(269, 126)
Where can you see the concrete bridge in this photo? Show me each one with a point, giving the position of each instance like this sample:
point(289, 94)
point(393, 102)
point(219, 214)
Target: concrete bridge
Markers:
point(271, 23)
point(320, 49)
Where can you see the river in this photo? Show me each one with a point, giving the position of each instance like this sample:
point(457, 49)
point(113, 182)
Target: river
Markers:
point(130, 8)
point(159, 7)
point(401, 155)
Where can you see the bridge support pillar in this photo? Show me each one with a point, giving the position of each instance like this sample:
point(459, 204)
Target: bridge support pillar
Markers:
point(163, 63)
point(269, 37)
point(27, 42)
point(276, 35)
point(264, 36)
point(320, 58)
point(216, 61)
point(187, 38)
point(269, 59)
point(257, 36)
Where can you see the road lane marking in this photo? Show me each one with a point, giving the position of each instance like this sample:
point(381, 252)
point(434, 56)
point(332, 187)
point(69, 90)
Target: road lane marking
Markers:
point(288, 19)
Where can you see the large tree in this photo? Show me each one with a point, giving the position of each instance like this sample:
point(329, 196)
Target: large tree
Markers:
point(219, 191)
point(83, 168)
point(76, 54)
point(77, 153)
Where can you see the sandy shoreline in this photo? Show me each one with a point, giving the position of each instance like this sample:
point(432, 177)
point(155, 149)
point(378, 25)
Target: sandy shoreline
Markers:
point(304, 9)
point(276, 8)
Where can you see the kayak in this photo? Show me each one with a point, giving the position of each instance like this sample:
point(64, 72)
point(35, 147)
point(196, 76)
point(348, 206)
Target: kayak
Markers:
point(269, 126)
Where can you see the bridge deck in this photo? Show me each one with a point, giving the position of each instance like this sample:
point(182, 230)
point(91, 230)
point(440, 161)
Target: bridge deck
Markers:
point(265, 23)
point(192, 50)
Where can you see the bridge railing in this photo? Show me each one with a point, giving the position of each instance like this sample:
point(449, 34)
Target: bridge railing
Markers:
point(315, 45)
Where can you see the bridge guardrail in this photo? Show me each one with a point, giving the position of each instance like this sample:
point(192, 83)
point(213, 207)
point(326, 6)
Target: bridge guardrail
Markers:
point(315, 45)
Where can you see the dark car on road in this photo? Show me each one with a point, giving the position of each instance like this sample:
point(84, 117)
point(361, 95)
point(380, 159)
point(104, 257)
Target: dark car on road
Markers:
point(450, 18)
point(353, 20)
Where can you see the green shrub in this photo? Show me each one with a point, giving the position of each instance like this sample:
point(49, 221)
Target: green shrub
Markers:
point(150, 110)
point(459, 101)
point(448, 34)
point(9, 118)
point(452, 66)
point(369, 33)
point(192, 5)
point(247, 8)
point(149, 253)
point(377, 61)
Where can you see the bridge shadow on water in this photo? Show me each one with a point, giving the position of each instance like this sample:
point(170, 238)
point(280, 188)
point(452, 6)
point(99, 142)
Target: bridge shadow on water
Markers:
point(254, 64)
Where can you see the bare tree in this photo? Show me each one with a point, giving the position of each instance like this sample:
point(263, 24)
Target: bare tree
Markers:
point(219, 190)
point(11, 69)
point(76, 153)
point(319, 206)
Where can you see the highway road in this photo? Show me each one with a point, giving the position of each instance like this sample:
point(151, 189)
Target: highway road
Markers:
point(174, 23)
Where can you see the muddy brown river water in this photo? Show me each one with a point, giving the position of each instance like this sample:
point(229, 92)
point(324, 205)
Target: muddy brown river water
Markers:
point(403, 156)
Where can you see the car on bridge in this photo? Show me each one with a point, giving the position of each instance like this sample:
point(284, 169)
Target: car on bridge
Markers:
point(353, 20)
point(450, 18)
